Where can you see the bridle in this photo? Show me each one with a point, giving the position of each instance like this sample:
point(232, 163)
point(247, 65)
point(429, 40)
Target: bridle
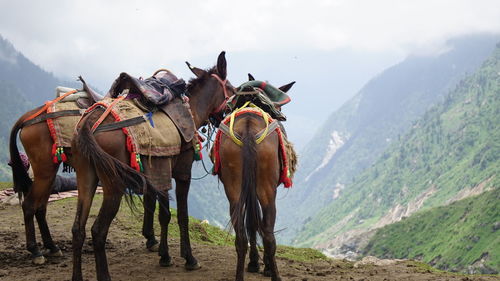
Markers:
point(222, 106)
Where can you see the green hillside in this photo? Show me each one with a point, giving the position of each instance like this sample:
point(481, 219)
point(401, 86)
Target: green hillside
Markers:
point(452, 151)
point(356, 135)
point(455, 237)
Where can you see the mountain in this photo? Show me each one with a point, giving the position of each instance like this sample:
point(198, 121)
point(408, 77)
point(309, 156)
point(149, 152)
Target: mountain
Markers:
point(449, 154)
point(23, 85)
point(36, 84)
point(356, 135)
point(474, 246)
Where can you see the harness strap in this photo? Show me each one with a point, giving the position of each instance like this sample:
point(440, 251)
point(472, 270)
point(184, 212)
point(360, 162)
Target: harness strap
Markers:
point(106, 113)
point(260, 136)
point(225, 129)
point(52, 115)
point(48, 103)
point(267, 131)
point(226, 95)
point(121, 124)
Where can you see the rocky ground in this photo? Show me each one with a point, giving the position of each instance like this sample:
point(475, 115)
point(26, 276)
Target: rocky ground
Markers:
point(129, 260)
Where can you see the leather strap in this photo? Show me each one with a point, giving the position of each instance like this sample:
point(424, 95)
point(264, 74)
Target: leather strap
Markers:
point(52, 115)
point(121, 124)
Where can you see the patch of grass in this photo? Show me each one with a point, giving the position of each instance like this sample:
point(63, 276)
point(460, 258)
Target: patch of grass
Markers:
point(5, 185)
point(300, 254)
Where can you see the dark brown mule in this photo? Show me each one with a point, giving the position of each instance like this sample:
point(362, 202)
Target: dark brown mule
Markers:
point(105, 157)
point(250, 174)
point(38, 143)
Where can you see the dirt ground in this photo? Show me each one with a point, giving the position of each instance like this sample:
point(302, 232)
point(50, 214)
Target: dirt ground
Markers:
point(129, 260)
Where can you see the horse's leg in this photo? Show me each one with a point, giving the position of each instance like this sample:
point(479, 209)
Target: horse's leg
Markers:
point(181, 193)
point(87, 184)
point(164, 217)
point(147, 226)
point(269, 218)
point(109, 208)
point(253, 265)
point(241, 244)
point(41, 217)
point(35, 204)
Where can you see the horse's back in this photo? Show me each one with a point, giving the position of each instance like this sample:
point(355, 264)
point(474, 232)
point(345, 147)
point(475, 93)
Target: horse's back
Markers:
point(266, 152)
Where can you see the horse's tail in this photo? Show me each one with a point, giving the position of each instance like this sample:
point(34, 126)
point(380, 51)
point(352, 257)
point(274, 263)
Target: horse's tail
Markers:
point(20, 177)
point(117, 174)
point(247, 213)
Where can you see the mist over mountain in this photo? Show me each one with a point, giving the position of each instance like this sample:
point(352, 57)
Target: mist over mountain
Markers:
point(357, 134)
point(35, 84)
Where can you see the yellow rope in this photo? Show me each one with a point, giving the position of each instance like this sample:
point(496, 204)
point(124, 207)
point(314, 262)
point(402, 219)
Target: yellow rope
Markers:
point(231, 123)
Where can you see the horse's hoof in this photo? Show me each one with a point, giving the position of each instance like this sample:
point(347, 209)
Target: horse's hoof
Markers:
point(253, 267)
point(57, 253)
point(53, 253)
point(38, 260)
point(166, 262)
point(154, 247)
point(191, 267)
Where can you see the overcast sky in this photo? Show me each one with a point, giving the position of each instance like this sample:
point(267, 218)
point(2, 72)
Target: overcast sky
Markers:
point(106, 36)
point(99, 39)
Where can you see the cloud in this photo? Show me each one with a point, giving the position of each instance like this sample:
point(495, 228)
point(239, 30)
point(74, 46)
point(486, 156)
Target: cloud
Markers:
point(103, 38)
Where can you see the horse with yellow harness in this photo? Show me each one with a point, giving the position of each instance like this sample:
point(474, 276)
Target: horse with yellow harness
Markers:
point(252, 157)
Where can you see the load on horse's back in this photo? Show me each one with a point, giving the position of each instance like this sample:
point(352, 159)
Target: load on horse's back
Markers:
point(46, 134)
point(107, 147)
point(252, 157)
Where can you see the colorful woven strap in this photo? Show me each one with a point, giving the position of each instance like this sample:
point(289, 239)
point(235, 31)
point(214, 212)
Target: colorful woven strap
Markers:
point(106, 113)
point(261, 136)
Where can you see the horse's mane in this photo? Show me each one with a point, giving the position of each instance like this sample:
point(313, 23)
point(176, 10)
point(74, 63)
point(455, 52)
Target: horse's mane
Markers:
point(195, 82)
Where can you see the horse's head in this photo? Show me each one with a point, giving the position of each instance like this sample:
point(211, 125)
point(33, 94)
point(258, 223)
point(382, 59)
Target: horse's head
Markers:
point(209, 91)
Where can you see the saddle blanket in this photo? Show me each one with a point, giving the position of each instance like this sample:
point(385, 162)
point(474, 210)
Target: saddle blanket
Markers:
point(158, 136)
point(62, 128)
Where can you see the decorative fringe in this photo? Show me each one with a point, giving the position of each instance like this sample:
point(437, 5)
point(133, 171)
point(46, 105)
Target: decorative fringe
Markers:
point(135, 159)
point(291, 157)
point(198, 146)
point(58, 154)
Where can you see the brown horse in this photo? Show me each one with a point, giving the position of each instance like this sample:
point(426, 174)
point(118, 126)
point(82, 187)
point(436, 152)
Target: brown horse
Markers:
point(250, 173)
point(38, 143)
point(105, 157)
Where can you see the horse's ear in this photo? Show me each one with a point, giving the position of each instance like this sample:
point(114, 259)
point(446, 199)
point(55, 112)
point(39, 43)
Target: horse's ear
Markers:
point(287, 87)
point(250, 77)
point(221, 65)
point(197, 71)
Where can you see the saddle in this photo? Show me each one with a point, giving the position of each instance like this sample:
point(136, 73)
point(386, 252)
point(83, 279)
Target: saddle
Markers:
point(84, 98)
point(263, 95)
point(157, 90)
point(162, 91)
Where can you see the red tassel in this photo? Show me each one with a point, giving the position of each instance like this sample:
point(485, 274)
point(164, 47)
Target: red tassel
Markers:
point(55, 160)
point(63, 157)
point(133, 162)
